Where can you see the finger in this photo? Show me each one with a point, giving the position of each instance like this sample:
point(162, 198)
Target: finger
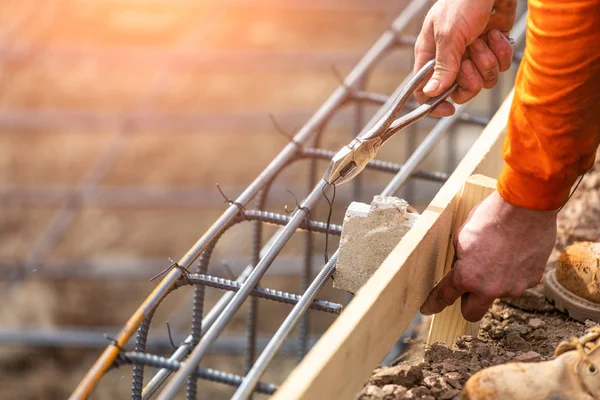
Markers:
point(501, 48)
point(447, 64)
point(445, 109)
point(469, 83)
point(444, 294)
point(485, 61)
point(424, 49)
point(474, 306)
point(504, 17)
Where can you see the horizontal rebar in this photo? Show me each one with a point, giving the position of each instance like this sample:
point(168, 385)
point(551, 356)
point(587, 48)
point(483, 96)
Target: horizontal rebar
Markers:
point(209, 374)
point(378, 165)
point(263, 293)
point(282, 220)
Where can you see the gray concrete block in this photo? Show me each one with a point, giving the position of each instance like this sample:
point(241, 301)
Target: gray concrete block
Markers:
point(369, 234)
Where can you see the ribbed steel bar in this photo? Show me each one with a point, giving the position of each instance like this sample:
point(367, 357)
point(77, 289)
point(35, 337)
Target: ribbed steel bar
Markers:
point(207, 322)
point(89, 382)
point(211, 335)
point(259, 292)
point(378, 165)
point(203, 373)
point(282, 333)
point(251, 379)
point(395, 184)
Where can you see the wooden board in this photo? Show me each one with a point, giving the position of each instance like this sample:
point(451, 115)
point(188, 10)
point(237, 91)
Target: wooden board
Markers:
point(340, 363)
point(450, 324)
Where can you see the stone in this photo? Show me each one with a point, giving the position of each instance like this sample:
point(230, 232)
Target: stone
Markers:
point(514, 341)
point(403, 375)
point(369, 234)
point(449, 367)
point(536, 323)
point(530, 356)
point(419, 392)
point(370, 392)
point(436, 353)
point(393, 392)
point(532, 300)
point(448, 394)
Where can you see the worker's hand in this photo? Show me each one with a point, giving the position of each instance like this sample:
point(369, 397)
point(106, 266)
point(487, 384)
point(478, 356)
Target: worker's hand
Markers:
point(501, 250)
point(469, 45)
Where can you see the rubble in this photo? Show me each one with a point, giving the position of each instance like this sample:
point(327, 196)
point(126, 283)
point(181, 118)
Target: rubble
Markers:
point(507, 334)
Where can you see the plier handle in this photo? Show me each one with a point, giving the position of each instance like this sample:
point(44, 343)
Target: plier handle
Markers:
point(352, 158)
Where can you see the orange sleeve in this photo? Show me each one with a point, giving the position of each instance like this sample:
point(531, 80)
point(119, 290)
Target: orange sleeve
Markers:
point(554, 125)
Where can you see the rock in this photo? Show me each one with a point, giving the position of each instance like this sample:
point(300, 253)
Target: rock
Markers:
point(536, 323)
point(449, 367)
point(515, 341)
point(530, 356)
point(538, 334)
point(388, 392)
point(436, 353)
point(448, 394)
point(432, 382)
point(393, 392)
point(370, 392)
point(369, 234)
point(419, 392)
point(590, 324)
point(532, 300)
point(403, 375)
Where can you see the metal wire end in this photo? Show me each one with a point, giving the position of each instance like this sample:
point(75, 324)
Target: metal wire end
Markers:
point(282, 131)
point(233, 203)
point(174, 264)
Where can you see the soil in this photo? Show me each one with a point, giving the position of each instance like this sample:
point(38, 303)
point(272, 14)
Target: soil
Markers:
point(514, 330)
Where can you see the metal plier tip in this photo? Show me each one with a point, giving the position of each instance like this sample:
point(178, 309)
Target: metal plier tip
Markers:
point(352, 158)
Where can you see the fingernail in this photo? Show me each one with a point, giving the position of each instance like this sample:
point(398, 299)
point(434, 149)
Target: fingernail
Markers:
point(511, 40)
point(496, 35)
point(431, 86)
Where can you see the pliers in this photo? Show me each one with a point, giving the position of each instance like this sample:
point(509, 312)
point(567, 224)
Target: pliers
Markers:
point(352, 158)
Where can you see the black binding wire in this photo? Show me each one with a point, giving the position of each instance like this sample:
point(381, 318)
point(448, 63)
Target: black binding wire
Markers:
point(573, 192)
point(330, 202)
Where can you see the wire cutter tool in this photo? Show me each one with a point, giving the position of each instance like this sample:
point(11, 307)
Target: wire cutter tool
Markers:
point(352, 158)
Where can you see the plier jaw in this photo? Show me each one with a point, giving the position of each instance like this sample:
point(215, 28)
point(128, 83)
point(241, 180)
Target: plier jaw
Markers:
point(351, 160)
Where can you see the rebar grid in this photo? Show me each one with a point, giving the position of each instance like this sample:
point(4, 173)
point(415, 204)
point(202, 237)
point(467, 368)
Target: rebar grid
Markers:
point(209, 328)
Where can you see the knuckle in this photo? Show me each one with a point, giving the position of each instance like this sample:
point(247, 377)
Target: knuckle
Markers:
point(461, 281)
point(489, 63)
point(491, 82)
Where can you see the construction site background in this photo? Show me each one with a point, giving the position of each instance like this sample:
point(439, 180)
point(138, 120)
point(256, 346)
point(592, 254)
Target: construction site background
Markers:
point(189, 86)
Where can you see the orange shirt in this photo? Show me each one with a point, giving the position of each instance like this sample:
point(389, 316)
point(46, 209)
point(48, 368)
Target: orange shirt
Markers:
point(554, 126)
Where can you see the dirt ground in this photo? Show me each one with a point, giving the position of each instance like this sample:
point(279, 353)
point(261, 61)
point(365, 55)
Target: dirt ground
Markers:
point(526, 329)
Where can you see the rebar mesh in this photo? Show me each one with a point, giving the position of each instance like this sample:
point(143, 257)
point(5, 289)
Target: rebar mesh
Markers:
point(183, 366)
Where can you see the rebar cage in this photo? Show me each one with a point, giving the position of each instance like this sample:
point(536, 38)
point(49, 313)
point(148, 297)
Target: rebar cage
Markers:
point(182, 367)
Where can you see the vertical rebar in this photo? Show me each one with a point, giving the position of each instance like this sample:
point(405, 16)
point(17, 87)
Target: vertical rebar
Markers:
point(138, 369)
point(357, 126)
point(252, 317)
point(307, 256)
point(197, 312)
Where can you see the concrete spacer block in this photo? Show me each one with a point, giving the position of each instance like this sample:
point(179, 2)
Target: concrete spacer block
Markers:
point(369, 234)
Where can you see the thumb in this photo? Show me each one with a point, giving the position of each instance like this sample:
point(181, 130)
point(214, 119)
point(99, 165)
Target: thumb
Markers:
point(448, 57)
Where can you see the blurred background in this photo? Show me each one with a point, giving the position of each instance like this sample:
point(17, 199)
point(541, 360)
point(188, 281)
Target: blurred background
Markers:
point(117, 119)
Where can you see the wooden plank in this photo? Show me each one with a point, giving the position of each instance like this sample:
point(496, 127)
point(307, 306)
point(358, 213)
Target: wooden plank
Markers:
point(344, 358)
point(450, 324)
